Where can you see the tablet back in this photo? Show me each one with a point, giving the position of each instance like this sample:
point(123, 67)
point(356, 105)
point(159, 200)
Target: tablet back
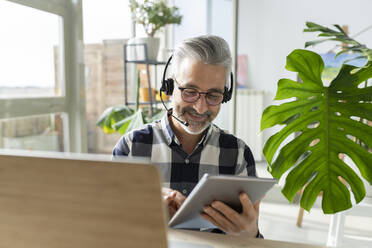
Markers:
point(225, 188)
point(61, 202)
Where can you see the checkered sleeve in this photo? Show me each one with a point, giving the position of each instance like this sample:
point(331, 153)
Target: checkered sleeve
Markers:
point(121, 148)
point(250, 164)
point(136, 143)
point(245, 160)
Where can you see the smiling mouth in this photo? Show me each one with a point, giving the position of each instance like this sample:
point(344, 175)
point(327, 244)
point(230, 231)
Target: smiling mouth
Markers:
point(198, 118)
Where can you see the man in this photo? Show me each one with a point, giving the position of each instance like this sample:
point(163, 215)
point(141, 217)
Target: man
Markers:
point(185, 144)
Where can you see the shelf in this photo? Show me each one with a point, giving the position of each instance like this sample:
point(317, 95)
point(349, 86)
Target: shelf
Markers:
point(146, 62)
point(146, 103)
point(150, 62)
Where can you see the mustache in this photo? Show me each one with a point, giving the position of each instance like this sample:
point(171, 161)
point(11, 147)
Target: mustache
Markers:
point(194, 112)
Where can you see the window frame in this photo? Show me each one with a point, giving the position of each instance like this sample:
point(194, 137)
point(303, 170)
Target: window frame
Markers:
point(71, 75)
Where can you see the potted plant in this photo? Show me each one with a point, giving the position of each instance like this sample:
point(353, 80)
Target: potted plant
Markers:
point(123, 119)
point(152, 15)
point(329, 122)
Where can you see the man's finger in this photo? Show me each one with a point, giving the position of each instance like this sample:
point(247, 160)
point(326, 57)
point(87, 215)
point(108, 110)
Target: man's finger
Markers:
point(172, 210)
point(257, 204)
point(228, 212)
point(220, 219)
point(246, 202)
point(169, 196)
point(211, 220)
point(179, 198)
point(165, 191)
point(168, 192)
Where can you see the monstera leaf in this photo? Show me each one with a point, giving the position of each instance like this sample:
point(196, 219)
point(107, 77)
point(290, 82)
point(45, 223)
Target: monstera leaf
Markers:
point(326, 121)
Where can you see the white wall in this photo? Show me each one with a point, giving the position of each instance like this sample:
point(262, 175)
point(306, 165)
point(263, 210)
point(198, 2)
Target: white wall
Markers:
point(221, 19)
point(194, 21)
point(105, 20)
point(270, 29)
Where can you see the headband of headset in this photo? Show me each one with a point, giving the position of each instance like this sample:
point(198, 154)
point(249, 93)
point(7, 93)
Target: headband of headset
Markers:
point(167, 85)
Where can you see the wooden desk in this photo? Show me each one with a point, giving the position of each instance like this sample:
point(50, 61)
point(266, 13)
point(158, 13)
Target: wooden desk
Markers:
point(218, 240)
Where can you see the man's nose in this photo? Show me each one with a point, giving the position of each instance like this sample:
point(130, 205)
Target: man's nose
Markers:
point(201, 104)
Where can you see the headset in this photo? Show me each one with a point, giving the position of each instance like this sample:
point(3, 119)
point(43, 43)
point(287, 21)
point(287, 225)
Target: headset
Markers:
point(167, 85)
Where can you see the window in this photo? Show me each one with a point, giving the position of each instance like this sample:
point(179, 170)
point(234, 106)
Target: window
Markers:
point(42, 133)
point(28, 51)
point(41, 77)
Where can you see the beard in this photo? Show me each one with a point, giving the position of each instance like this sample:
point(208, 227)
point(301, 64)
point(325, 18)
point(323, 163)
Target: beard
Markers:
point(195, 127)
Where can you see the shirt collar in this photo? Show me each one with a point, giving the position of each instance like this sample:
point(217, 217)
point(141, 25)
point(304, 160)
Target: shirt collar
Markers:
point(166, 128)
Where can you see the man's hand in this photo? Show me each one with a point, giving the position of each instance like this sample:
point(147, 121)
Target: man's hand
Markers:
point(173, 200)
point(230, 221)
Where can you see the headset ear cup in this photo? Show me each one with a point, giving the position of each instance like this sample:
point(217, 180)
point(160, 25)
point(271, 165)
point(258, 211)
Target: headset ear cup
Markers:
point(226, 97)
point(227, 94)
point(167, 86)
point(163, 87)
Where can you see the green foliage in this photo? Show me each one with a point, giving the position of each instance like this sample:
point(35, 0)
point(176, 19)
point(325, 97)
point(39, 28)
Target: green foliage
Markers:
point(326, 121)
point(338, 35)
point(123, 119)
point(154, 15)
point(111, 116)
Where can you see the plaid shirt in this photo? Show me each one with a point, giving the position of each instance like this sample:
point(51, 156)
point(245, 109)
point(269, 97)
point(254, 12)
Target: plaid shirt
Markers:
point(217, 153)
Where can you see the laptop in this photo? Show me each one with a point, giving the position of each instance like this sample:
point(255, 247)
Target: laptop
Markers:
point(58, 200)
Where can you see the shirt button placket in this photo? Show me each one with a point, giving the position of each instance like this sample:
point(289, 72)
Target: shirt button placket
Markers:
point(187, 161)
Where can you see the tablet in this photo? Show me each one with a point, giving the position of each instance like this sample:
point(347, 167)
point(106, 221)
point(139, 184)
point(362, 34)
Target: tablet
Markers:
point(225, 188)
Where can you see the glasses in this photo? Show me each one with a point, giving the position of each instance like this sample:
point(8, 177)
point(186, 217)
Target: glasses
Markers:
point(191, 95)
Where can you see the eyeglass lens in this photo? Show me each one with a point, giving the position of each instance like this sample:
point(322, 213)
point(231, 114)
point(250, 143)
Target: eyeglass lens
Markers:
point(192, 95)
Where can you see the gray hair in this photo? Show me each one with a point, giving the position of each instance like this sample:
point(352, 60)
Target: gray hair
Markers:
point(209, 49)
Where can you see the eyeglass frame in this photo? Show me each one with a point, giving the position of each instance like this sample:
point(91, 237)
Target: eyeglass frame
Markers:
point(199, 94)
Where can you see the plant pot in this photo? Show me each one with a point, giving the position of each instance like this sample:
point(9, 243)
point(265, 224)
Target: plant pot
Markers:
point(164, 96)
point(138, 46)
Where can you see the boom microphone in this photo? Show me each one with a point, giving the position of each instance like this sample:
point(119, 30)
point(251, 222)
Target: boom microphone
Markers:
point(185, 123)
